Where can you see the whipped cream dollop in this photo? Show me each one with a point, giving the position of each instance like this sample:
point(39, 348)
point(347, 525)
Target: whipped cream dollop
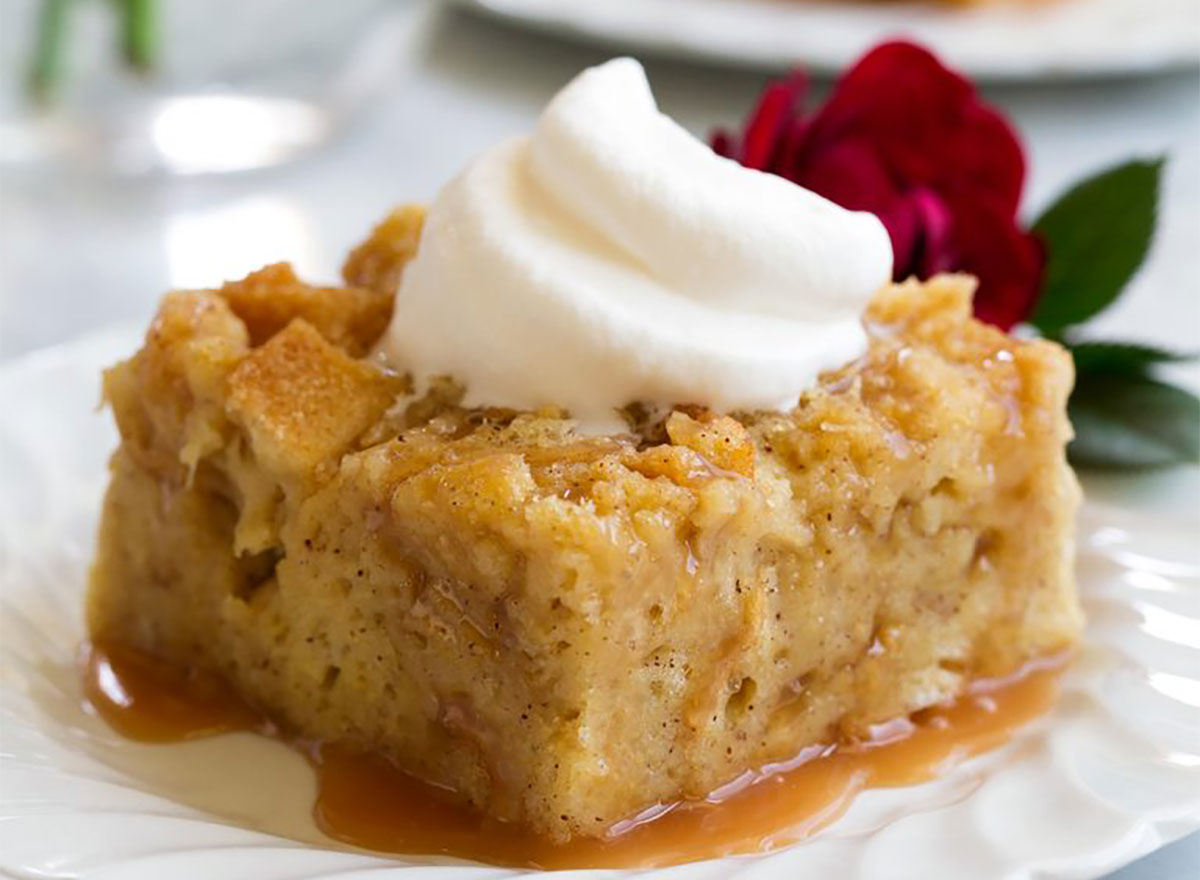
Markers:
point(611, 257)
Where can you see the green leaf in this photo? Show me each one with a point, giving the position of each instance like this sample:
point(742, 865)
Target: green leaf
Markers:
point(1096, 237)
point(1126, 421)
point(1124, 358)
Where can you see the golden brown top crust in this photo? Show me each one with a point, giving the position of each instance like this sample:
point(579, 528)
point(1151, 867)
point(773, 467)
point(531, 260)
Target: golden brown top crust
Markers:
point(379, 261)
point(274, 360)
point(351, 318)
point(167, 398)
point(303, 401)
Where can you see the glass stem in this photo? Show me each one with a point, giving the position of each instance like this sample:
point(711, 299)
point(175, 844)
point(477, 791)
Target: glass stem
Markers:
point(46, 65)
point(139, 33)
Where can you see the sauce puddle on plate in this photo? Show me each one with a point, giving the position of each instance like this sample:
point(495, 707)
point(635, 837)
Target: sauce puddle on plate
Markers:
point(365, 800)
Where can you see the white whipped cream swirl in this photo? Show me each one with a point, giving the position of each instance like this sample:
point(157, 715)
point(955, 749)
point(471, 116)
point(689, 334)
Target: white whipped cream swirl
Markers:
point(611, 257)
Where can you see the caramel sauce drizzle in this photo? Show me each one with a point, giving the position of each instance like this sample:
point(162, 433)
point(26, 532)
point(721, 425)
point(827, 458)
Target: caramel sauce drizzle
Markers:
point(365, 800)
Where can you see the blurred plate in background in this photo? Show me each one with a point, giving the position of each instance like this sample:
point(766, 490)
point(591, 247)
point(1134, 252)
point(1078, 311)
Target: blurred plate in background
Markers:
point(1000, 39)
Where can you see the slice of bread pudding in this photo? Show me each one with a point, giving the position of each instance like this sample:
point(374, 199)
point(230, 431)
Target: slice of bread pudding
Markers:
point(568, 629)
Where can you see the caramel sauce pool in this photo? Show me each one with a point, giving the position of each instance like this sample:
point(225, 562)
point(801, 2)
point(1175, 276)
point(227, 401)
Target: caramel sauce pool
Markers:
point(366, 801)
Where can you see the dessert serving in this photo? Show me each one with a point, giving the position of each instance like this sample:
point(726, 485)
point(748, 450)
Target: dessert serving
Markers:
point(622, 473)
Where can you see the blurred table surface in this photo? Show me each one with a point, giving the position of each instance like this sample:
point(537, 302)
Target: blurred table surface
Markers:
point(79, 253)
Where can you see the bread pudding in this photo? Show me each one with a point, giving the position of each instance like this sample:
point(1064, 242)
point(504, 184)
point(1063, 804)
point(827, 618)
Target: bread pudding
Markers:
point(569, 629)
point(618, 473)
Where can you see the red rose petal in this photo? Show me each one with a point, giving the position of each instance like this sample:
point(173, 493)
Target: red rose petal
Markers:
point(928, 123)
point(936, 252)
point(989, 157)
point(1007, 261)
point(850, 174)
point(722, 143)
point(789, 157)
point(904, 229)
point(900, 98)
point(921, 228)
point(776, 106)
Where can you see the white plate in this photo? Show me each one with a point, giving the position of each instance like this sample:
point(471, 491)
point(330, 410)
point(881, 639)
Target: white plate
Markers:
point(1004, 39)
point(1111, 773)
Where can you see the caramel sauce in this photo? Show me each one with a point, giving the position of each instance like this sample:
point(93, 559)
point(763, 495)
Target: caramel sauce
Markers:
point(365, 800)
point(147, 700)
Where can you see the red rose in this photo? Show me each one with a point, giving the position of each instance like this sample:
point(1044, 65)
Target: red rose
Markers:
point(910, 141)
